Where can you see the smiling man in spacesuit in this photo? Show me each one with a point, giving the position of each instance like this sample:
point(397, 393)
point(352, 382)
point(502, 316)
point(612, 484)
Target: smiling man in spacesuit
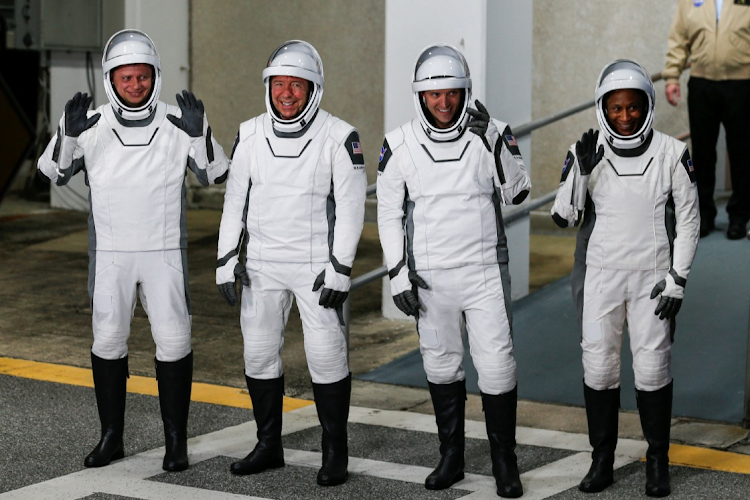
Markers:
point(440, 190)
point(634, 190)
point(134, 152)
point(293, 215)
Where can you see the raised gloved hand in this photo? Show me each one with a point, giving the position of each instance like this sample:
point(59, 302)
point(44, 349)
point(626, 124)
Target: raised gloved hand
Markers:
point(588, 156)
point(480, 119)
point(335, 281)
point(672, 291)
point(408, 300)
point(228, 290)
point(76, 121)
point(191, 121)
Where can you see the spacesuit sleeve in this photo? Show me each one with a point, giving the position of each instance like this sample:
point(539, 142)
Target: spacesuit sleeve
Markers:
point(232, 227)
point(512, 177)
point(349, 193)
point(62, 158)
point(206, 157)
point(687, 229)
point(568, 208)
point(391, 197)
point(678, 46)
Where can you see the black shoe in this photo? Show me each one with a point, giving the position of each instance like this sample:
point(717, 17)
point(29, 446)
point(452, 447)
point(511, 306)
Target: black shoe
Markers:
point(268, 398)
point(110, 386)
point(175, 380)
point(737, 230)
point(655, 409)
point(602, 409)
point(449, 402)
point(707, 226)
point(500, 420)
point(332, 405)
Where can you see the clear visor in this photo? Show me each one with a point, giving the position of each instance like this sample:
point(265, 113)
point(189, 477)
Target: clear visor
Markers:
point(440, 61)
point(295, 58)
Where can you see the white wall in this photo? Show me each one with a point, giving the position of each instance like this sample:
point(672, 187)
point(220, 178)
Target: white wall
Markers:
point(495, 37)
point(167, 23)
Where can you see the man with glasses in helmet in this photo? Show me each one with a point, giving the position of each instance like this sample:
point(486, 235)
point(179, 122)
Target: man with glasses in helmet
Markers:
point(440, 192)
point(293, 215)
point(632, 190)
point(134, 152)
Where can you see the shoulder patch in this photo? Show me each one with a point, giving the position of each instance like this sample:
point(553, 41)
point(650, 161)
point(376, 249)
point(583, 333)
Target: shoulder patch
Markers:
point(568, 165)
point(688, 164)
point(236, 142)
point(385, 155)
point(354, 148)
point(510, 141)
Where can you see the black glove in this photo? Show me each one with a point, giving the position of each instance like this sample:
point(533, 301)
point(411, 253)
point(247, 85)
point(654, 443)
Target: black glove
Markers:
point(408, 300)
point(328, 298)
point(480, 119)
point(191, 121)
point(588, 156)
point(229, 290)
point(76, 122)
point(668, 307)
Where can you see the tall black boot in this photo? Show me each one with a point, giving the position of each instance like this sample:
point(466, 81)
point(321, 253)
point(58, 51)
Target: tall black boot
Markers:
point(332, 404)
point(602, 413)
point(449, 402)
point(175, 381)
point(110, 384)
point(500, 418)
point(268, 398)
point(655, 409)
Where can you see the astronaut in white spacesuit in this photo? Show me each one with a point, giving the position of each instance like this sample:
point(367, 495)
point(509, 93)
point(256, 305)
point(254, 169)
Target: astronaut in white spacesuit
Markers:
point(440, 191)
point(134, 152)
point(293, 215)
point(632, 189)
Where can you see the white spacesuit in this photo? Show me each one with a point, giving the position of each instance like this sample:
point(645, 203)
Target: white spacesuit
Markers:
point(293, 215)
point(135, 160)
point(440, 191)
point(638, 237)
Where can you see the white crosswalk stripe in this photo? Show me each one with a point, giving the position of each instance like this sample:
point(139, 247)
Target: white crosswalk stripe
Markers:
point(129, 477)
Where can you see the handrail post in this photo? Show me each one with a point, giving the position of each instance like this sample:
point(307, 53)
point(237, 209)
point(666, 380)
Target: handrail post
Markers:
point(746, 415)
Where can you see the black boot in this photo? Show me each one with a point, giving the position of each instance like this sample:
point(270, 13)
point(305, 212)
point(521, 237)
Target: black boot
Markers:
point(268, 398)
point(175, 381)
point(500, 418)
point(449, 402)
point(655, 409)
point(332, 404)
point(602, 409)
point(110, 383)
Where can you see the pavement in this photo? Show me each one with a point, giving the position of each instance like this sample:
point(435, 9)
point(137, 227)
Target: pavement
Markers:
point(49, 421)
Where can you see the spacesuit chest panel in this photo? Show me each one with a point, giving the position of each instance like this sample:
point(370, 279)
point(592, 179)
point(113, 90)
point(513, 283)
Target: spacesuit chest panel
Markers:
point(136, 175)
point(630, 195)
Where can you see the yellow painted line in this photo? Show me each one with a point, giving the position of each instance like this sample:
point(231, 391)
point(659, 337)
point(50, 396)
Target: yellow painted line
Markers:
point(706, 458)
point(70, 375)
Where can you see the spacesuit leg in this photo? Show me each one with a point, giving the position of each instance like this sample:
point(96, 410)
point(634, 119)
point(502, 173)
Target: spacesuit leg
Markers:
point(113, 296)
point(264, 312)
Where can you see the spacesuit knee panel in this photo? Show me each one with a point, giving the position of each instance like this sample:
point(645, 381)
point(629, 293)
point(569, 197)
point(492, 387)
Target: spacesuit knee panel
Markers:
point(172, 341)
point(601, 371)
point(652, 370)
point(262, 353)
point(442, 369)
point(326, 357)
point(497, 374)
point(110, 344)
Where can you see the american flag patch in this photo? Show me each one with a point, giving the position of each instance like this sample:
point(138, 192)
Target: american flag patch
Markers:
point(357, 148)
point(382, 153)
point(511, 140)
point(690, 165)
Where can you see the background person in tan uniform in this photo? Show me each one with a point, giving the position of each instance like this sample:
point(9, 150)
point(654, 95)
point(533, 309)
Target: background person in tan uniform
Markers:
point(715, 36)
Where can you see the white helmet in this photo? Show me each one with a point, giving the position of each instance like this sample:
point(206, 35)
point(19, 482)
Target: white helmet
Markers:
point(300, 59)
point(624, 74)
point(131, 47)
point(440, 67)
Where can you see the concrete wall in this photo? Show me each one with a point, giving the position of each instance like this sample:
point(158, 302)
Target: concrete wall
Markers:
point(573, 40)
point(231, 42)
